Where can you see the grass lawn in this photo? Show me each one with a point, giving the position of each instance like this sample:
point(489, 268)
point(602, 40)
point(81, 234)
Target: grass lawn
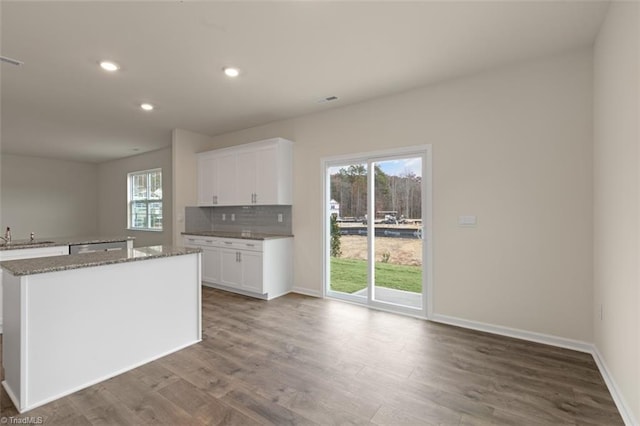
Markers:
point(350, 275)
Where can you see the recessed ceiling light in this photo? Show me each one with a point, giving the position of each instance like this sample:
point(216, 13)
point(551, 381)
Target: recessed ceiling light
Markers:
point(109, 66)
point(231, 72)
point(146, 107)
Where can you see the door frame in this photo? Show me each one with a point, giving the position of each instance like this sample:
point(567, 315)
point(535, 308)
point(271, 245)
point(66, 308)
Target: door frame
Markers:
point(425, 151)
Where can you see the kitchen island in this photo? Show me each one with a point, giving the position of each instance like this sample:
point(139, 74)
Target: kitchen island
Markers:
point(76, 320)
point(43, 247)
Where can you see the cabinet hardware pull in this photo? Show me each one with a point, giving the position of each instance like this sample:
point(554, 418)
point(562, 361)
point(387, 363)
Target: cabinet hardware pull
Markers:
point(251, 245)
point(228, 242)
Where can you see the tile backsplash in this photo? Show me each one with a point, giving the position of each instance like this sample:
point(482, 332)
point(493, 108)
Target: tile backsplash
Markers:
point(259, 219)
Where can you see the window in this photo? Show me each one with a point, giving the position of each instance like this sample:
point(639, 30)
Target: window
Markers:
point(144, 191)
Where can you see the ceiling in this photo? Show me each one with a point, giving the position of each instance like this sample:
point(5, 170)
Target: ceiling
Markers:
point(60, 104)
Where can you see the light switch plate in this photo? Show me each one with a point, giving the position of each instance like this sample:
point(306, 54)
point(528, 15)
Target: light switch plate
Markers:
point(467, 221)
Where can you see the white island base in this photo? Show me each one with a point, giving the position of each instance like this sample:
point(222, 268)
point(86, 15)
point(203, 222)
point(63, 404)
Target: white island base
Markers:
point(69, 329)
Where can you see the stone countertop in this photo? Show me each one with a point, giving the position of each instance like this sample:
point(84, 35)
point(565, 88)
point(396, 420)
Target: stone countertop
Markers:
point(43, 265)
point(238, 235)
point(61, 241)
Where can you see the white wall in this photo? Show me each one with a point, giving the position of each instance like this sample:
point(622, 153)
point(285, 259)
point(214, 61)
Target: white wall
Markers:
point(617, 199)
point(112, 187)
point(512, 146)
point(52, 198)
point(184, 146)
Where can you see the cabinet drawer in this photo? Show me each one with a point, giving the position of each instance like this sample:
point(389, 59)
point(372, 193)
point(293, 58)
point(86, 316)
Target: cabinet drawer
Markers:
point(201, 241)
point(193, 241)
point(239, 244)
point(229, 243)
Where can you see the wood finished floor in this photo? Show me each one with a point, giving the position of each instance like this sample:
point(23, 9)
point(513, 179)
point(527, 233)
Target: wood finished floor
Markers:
point(302, 360)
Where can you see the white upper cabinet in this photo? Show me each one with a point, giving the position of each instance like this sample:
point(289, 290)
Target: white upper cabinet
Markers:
point(206, 180)
point(273, 183)
point(255, 173)
point(246, 177)
point(225, 176)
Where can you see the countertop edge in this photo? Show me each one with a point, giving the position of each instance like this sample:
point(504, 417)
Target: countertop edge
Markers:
point(237, 236)
point(43, 265)
point(64, 241)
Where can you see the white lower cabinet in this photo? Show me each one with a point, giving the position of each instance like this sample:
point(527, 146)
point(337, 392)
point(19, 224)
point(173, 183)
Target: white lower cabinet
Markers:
point(251, 262)
point(231, 271)
point(255, 268)
point(211, 268)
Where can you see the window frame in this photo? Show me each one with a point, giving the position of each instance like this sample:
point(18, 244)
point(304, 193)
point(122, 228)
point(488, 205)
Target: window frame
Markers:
point(147, 200)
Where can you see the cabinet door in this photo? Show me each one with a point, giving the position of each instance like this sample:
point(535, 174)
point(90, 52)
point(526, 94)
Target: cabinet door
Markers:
point(252, 271)
point(206, 180)
point(266, 179)
point(231, 269)
point(211, 264)
point(247, 164)
point(226, 179)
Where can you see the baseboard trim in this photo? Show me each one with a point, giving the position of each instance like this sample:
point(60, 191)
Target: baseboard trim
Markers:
point(547, 339)
point(623, 407)
point(235, 290)
point(531, 336)
point(306, 292)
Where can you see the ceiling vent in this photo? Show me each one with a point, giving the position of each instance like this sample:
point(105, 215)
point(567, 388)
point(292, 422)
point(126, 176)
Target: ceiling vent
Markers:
point(327, 99)
point(11, 61)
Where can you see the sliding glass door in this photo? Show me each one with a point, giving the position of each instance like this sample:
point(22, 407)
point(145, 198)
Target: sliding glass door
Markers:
point(376, 220)
point(397, 236)
point(348, 249)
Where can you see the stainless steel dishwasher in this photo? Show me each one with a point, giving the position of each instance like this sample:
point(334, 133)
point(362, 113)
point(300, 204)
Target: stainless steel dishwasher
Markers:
point(96, 247)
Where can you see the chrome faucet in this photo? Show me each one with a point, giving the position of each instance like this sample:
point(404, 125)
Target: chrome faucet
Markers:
point(7, 235)
point(32, 237)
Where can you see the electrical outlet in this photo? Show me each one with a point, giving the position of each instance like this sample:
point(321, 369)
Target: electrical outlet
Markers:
point(233, 217)
point(224, 217)
point(280, 217)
